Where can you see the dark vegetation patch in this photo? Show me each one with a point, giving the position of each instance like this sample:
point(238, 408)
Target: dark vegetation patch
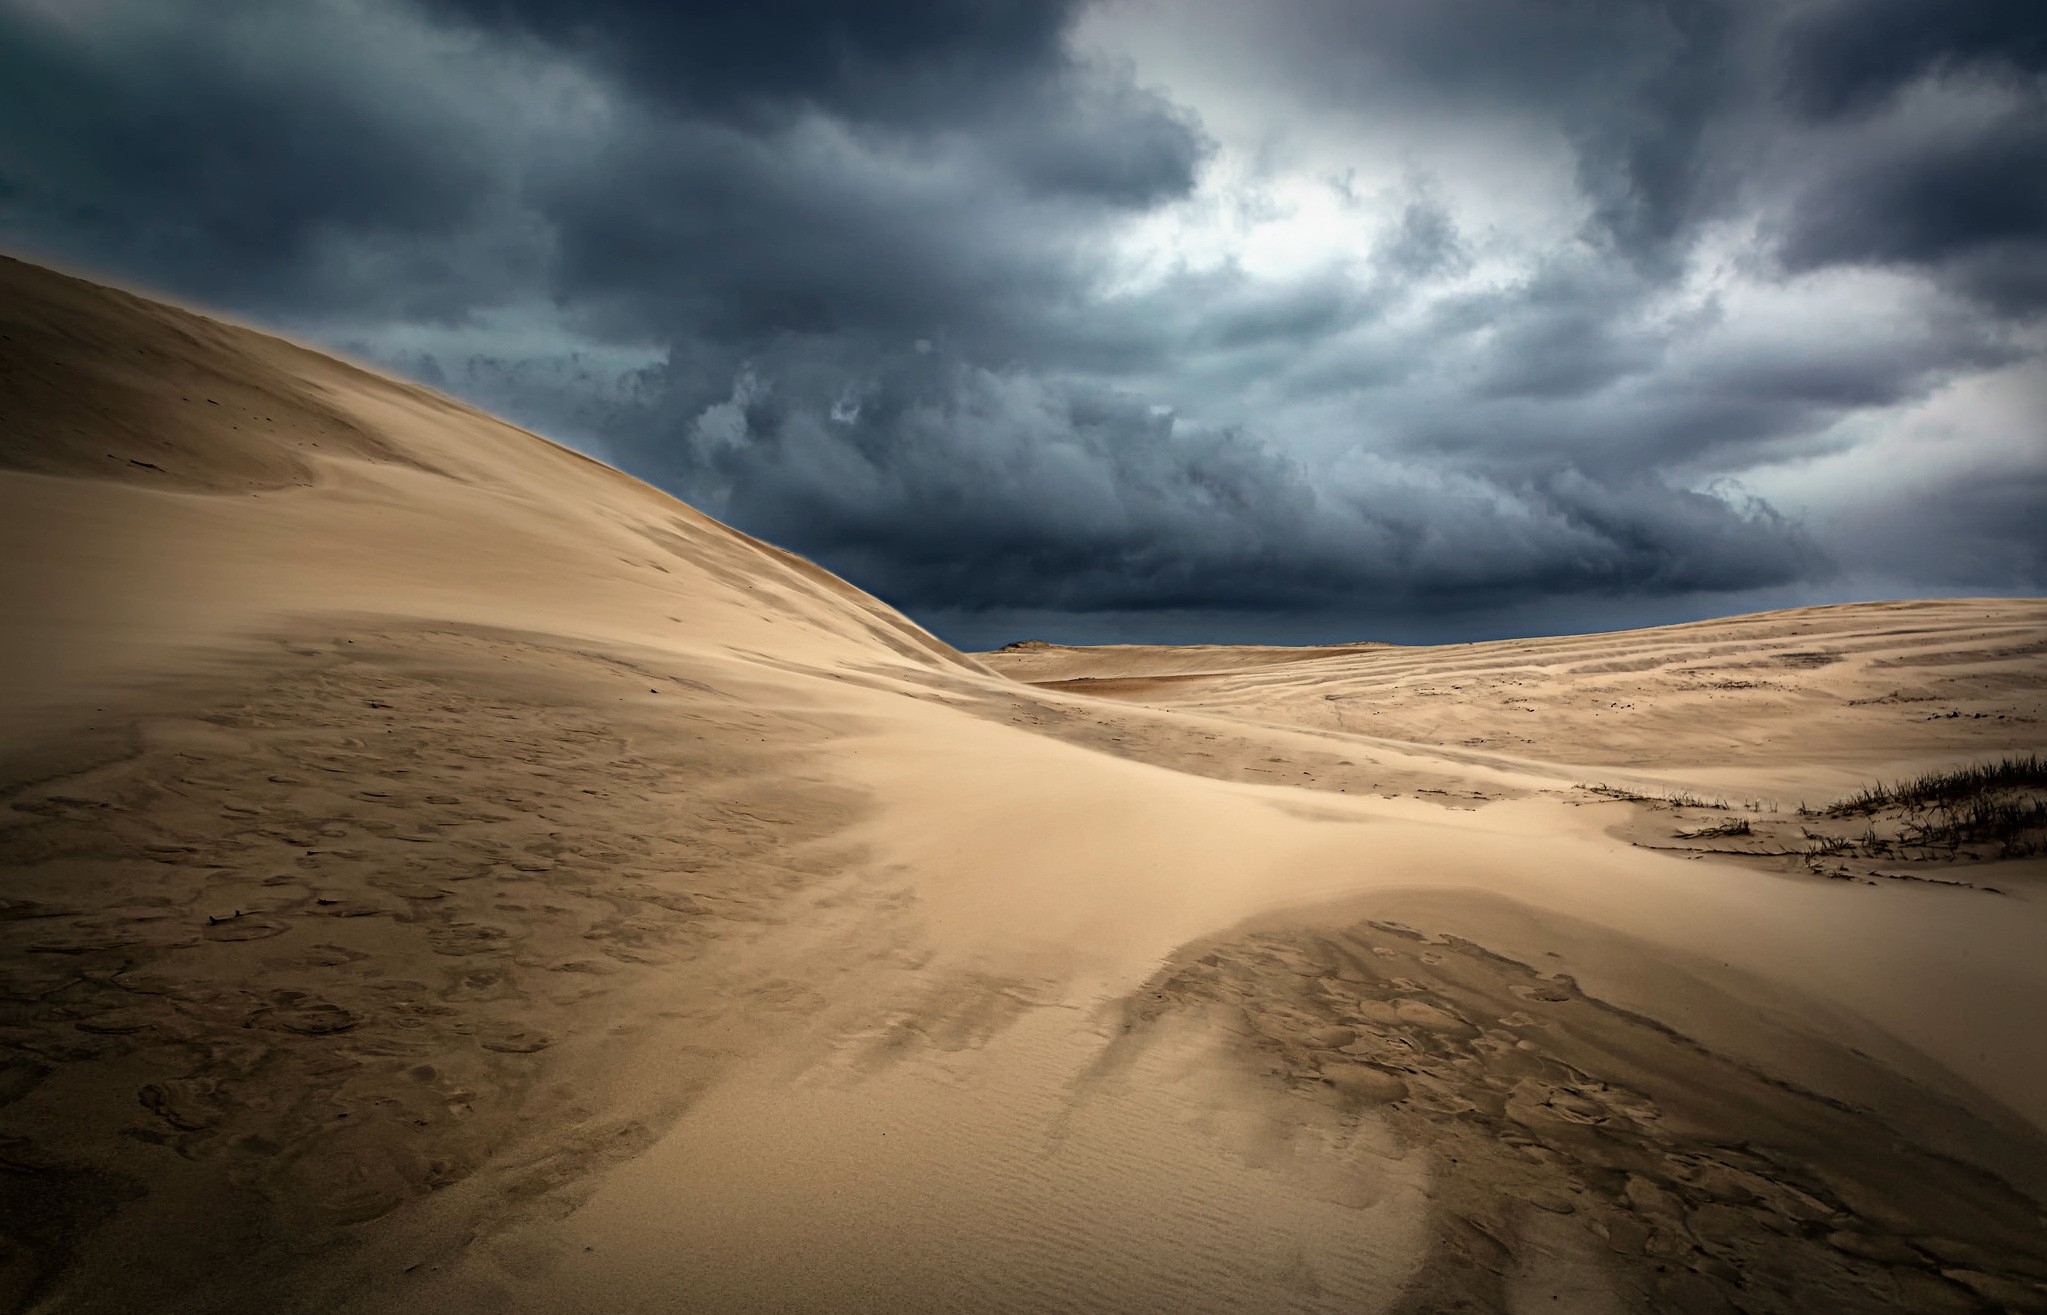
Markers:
point(2001, 805)
point(1971, 813)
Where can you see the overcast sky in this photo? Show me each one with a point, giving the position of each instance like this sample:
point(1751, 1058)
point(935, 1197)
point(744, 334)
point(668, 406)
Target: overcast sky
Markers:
point(1147, 319)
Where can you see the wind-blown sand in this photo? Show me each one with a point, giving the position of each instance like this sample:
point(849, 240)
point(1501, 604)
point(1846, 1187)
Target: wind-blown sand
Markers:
point(445, 874)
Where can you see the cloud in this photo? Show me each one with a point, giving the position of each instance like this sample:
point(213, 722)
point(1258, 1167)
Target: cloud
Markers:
point(1843, 58)
point(1966, 200)
point(900, 63)
point(1939, 496)
point(1932, 151)
point(926, 73)
point(949, 486)
point(1346, 318)
point(262, 161)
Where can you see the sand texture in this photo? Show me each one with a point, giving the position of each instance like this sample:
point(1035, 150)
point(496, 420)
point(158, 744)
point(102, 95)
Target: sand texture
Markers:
point(445, 874)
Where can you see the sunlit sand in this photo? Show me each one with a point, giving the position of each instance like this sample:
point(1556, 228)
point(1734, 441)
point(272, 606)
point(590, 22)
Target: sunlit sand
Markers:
point(445, 874)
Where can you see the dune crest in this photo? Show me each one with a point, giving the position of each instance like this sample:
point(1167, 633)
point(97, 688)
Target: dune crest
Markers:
point(446, 873)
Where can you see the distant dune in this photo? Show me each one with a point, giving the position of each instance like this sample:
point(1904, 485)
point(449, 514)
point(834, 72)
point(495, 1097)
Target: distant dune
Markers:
point(445, 874)
point(1816, 699)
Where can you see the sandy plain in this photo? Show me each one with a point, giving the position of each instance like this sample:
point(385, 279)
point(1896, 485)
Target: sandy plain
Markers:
point(443, 873)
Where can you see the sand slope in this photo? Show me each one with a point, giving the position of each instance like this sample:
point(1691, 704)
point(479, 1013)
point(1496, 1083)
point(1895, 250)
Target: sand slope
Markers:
point(443, 873)
point(1808, 698)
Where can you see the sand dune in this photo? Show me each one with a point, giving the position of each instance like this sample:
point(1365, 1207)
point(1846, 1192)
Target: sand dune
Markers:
point(1813, 698)
point(444, 873)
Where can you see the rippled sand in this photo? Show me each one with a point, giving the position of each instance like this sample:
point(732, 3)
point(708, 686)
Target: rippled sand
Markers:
point(445, 874)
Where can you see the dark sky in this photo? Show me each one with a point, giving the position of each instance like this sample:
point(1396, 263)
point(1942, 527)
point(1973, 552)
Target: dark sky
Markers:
point(1298, 320)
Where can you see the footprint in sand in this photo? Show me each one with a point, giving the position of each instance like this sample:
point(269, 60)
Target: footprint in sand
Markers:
point(187, 1104)
point(520, 1042)
point(295, 1012)
point(20, 910)
point(245, 927)
point(411, 890)
point(349, 1176)
point(1365, 1083)
point(1417, 1014)
point(118, 1022)
point(481, 984)
point(327, 956)
point(18, 1077)
point(468, 938)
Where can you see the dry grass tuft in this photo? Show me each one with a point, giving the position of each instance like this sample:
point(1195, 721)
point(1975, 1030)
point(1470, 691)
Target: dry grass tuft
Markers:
point(2002, 803)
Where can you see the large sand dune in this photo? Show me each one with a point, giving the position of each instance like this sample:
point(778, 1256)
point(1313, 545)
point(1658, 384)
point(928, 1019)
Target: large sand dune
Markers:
point(445, 874)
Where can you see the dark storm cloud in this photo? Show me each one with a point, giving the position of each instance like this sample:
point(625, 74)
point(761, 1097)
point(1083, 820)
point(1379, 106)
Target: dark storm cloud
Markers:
point(993, 69)
point(856, 276)
point(1969, 522)
point(224, 148)
point(1965, 196)
point(1672, 110)
point(1637, 88)
point(911, 60)
point(1842, 57)
point(1564, 333)
point(811, 231)
point(1425, 243)
point(219, 162)
point(1971, 204)
point(955, 487)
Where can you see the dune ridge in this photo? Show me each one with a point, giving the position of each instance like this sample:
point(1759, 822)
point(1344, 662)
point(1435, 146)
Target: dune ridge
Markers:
point(445, 873)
